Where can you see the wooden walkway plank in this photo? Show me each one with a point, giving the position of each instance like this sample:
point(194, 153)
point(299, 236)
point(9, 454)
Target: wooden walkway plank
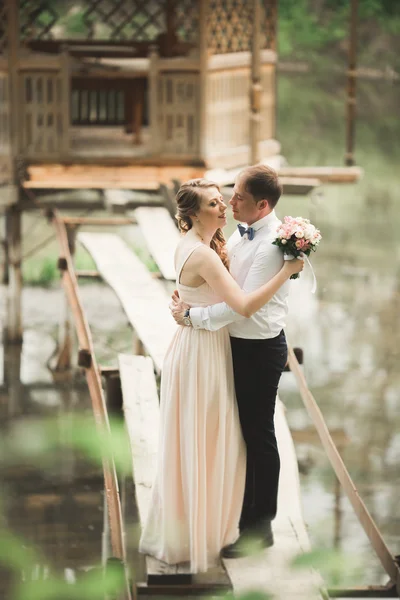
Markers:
point(294, 177)
point(161, 236)
point(270, 571)
point(144, 299)
point(142, 418)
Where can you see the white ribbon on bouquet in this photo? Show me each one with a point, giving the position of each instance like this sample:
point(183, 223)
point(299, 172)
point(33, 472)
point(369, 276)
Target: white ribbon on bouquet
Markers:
point(304, 256)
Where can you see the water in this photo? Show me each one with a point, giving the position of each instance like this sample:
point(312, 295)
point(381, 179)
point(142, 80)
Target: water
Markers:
point(349, 330)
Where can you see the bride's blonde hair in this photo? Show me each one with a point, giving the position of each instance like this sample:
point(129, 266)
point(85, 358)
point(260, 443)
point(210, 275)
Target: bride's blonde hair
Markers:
point(188, 200)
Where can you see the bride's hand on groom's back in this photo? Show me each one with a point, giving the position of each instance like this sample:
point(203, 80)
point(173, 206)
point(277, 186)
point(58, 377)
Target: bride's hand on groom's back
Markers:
point(178, 308)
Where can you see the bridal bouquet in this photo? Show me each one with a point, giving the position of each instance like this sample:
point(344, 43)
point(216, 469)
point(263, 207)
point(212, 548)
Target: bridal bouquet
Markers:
point(297, 237)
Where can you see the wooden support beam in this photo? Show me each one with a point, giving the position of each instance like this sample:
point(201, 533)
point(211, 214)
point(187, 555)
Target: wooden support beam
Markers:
point(13, 331)
point(88, 274)
point(203, 77)
point(4, 243)
point(351, 85)
point(99, 220)
point(113, 392)
point(65, 328)
point(324, 174)
point(13, 34)
point(256, 89)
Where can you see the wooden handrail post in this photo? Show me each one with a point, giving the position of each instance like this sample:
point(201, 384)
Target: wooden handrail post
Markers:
point(351, 85)
point(13, 218)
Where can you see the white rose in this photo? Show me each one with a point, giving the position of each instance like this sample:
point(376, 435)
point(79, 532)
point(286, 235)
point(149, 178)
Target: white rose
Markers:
point(299, 233)
point(284, 241)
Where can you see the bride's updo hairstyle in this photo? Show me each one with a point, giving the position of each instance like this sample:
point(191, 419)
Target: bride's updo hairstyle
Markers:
point(188, 199)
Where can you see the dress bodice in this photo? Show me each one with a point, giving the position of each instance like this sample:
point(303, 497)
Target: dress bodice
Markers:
point(202, 295)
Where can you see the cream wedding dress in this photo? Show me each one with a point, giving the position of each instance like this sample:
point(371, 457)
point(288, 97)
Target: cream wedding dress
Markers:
point(198, 492)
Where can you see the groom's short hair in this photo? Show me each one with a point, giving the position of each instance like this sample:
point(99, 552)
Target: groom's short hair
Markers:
point(262, 183)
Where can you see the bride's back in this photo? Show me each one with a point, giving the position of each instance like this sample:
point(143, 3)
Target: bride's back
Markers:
point(185, 264)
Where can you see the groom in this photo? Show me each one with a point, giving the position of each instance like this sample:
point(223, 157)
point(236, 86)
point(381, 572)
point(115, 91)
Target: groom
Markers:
point(258, 344)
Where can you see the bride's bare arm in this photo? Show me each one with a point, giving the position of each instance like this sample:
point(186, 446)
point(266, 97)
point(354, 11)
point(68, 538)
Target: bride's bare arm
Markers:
point(209, 266)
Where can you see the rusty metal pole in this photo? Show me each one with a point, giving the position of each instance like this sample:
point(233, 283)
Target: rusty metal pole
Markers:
point(351, 85)
point(255, 90)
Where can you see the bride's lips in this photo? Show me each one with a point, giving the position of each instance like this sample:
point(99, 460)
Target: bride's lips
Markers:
point(222, 216)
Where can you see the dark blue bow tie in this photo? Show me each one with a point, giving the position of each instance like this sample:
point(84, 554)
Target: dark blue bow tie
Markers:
point(249, 230)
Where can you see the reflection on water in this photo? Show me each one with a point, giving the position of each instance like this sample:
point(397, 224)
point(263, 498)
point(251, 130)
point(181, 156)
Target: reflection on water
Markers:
point(54, 504)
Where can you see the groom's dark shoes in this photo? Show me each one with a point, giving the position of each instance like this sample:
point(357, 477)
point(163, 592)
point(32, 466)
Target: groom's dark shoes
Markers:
point(251, 540)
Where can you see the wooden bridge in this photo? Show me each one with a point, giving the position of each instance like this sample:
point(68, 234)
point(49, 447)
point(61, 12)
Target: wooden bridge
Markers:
point(145, 301)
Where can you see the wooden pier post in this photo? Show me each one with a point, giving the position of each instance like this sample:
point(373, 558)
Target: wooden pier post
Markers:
point(113, 391)
point(13, 330)
point(203, 79)
point(4, 274)
point(65, 329)
point(256, 89)
point(351, 86)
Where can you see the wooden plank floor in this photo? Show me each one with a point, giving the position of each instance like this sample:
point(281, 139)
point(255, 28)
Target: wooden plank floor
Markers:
point(142, 418)
point(144, 299)
point(270, 570)
point(161, 236)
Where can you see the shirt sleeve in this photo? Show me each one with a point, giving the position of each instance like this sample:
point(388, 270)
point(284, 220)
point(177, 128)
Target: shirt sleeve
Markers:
point(267, 263)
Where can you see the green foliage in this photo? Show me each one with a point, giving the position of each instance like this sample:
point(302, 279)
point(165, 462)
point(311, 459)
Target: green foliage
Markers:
point(36, 443)
point(41, 272)
point(336, 567)
point(309, 28)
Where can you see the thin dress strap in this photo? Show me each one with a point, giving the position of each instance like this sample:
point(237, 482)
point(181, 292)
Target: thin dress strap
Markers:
point(191, 250)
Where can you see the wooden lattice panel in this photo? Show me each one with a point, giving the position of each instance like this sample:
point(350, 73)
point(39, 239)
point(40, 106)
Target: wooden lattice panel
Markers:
point(138, 20)
point(187, 20)
point(37, 19)
point(117, 20)
point(228, 110)
point(3, 27)
point(178, 109)
point(269, 23)
point(229, 26)
point(42, 122)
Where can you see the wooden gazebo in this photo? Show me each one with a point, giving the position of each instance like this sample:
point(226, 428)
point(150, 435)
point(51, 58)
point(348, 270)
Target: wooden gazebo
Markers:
point(145, 81)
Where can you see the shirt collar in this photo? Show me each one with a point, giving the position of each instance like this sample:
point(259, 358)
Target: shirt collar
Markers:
point(265, 221)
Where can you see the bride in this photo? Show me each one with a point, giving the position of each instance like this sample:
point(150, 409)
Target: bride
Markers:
point(198, 491)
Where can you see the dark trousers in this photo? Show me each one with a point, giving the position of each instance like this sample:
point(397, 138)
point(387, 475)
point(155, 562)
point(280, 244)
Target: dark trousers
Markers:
point(258, 365)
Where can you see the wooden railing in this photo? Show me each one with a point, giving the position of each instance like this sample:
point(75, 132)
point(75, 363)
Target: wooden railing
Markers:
point(87, 360)
point(378, 544)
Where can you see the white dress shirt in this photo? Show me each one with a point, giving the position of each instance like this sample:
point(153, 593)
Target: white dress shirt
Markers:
point(252, 263)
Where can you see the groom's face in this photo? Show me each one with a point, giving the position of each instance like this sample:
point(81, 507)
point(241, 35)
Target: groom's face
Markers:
point(244, 206)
